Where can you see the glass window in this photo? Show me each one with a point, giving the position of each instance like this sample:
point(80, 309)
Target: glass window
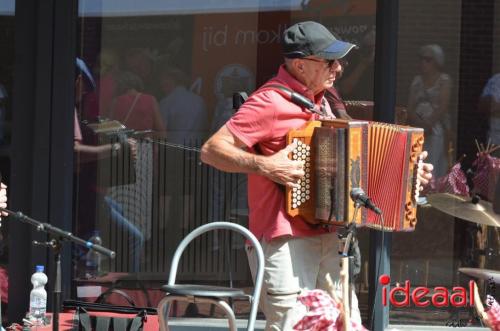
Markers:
point(7, 41)
point(447, 66)
point(163, 76)
point(6, 69)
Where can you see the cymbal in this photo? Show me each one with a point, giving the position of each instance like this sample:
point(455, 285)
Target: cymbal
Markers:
point(486, 274)
point(463, 208)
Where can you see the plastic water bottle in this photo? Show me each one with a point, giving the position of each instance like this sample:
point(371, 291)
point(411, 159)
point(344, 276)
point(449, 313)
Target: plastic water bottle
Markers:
point(38, 295)
point(93, 258)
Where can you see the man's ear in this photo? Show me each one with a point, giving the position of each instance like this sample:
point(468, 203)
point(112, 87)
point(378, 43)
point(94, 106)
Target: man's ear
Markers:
point(298, 65)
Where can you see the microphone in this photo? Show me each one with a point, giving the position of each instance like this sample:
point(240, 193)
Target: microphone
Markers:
point(301, 100)
point(359, 196)
point(100, 249)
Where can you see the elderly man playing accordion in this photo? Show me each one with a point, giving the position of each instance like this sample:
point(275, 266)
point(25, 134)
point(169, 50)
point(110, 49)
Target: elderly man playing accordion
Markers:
point(298, 255)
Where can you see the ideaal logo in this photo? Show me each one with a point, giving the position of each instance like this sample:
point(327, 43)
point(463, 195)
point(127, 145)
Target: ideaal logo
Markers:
point(421, 296)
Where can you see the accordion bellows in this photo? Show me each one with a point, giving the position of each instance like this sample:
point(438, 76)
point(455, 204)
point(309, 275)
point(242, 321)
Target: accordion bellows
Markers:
point(340, 155)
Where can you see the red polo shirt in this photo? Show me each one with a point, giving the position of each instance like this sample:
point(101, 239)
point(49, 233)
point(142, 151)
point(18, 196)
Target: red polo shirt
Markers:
point(264, 120)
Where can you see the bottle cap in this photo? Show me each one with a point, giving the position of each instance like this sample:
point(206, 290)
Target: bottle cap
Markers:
point(40, 268)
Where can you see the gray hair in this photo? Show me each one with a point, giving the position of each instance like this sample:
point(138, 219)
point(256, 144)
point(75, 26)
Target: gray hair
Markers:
point(433, 51)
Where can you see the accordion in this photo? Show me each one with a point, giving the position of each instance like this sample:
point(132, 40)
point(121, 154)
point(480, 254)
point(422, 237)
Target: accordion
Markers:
point(116, 168)
point(340, 155)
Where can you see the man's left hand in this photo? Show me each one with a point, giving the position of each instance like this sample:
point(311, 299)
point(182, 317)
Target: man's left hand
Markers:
point(3, 199)
point(425, 172)
point(133, 147)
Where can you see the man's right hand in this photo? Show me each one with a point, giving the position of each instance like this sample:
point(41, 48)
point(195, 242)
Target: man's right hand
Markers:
point(280, 169)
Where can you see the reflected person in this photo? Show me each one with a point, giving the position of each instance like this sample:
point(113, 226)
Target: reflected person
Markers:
point(90, 194)
point(183, 111)
point(489, 104)
point(131, 204)
point(357, 83)
point(428, 106)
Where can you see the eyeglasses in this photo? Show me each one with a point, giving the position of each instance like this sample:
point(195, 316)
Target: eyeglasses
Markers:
point(330, 63)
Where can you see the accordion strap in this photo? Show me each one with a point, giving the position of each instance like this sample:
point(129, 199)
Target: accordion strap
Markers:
point(293, 96)
point(137, 96)
point(299, 99)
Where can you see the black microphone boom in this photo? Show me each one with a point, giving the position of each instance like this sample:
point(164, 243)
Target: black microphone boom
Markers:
point(100, 249)
point(359, 196)
point(59, 233)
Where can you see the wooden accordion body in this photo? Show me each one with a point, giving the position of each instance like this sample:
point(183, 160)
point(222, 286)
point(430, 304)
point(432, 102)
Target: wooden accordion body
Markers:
point(116, 168)
point(382, 159)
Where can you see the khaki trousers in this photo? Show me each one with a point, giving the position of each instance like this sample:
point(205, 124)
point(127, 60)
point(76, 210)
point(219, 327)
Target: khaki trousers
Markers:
point(293, 265)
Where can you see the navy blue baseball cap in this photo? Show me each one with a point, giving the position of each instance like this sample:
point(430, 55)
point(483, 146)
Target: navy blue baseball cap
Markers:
point(313, 39)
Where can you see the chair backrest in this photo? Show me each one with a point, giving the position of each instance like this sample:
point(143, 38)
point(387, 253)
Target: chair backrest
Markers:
point(249, 236)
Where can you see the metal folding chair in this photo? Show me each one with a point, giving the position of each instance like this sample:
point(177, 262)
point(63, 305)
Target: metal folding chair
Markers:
point(211, 294)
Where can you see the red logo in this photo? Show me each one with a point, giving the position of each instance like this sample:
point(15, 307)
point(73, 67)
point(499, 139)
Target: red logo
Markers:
point(421, 296)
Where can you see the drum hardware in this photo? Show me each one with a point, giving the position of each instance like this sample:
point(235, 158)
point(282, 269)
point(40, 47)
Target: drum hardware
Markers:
point(346, 265)
point(346, 238)
point(470, 209)
point(485, 274)
point(478, 304)
point(488, 252)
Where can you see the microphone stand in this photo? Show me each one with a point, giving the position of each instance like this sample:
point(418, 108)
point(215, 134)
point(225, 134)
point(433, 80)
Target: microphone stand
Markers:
point(58, 235)
point(346, 268)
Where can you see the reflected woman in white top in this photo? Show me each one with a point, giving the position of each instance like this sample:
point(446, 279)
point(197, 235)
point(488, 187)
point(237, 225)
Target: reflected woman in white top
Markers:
point(428, 106)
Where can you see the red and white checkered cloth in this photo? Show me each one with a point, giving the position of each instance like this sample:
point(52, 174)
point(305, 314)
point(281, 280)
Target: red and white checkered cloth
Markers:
point(323, 313)
point(487, 172)
point(493, 312)
point(455, 182)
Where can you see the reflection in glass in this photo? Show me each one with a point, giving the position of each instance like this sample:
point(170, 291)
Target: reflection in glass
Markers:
point(445, 86)
point(428, 106)
point(7, 59)
point(165, 75)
